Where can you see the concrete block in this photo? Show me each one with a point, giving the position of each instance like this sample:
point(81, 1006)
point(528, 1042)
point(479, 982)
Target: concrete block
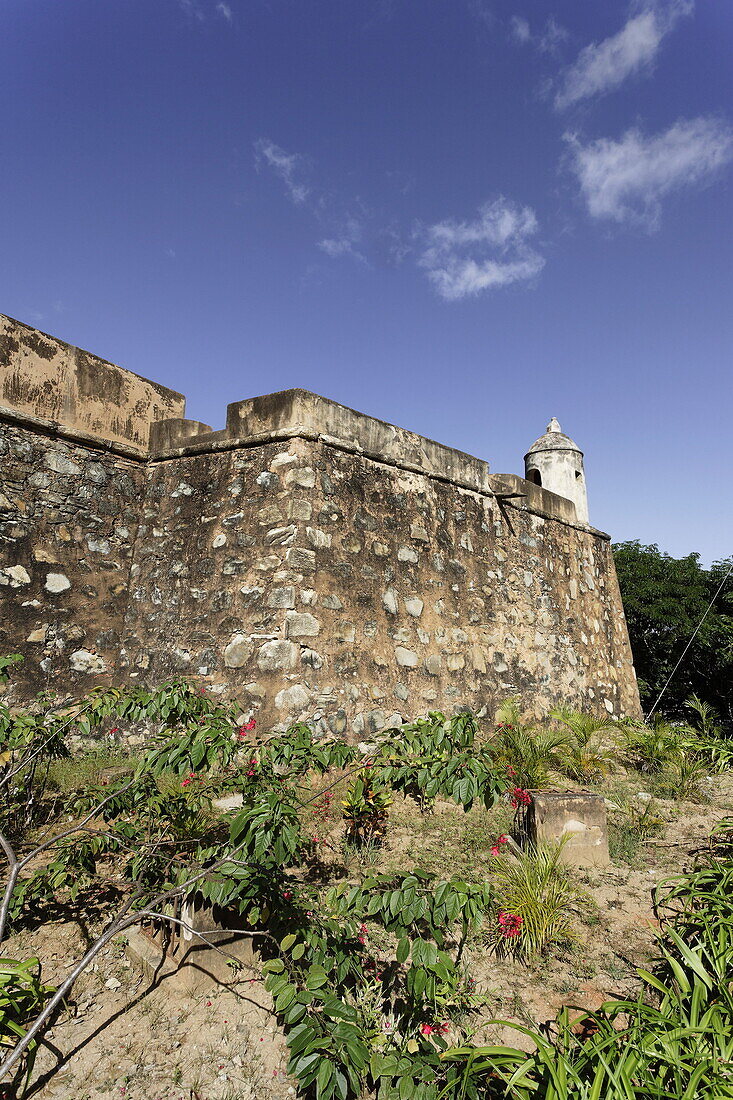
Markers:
point(578, 815)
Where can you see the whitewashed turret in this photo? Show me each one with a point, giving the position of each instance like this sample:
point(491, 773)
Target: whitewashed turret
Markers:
point(555, 462)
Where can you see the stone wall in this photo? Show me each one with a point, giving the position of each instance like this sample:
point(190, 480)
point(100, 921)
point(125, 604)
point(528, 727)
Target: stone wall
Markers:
point(314, 562)
point(311, 581)
point(68, 518)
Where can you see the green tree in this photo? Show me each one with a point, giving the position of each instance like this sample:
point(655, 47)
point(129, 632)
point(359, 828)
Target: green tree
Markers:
point(665, 598)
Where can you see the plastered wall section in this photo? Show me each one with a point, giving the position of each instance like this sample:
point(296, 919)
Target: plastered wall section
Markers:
point(322, 585)
point(68, 517)
point(47, 378)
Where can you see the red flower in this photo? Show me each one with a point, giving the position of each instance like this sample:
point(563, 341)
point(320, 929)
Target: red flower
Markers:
point(246, 728)
point(503, 840)
point(426, 1029)
point(495, 851)
point(510, 924)
point(115, 729)
point(510, 770)
point(520, 797)
point(187, 780)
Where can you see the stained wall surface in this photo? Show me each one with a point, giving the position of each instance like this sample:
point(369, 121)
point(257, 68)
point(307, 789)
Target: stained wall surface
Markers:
point(44, 377)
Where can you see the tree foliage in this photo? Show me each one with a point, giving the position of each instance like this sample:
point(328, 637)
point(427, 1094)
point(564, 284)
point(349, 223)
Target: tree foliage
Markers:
point(665, 598)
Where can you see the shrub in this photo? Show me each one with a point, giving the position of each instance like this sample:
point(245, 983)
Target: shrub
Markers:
point(583, 755)
point(365, 810)
point(528, 754)
point(673, 1042)
point(683, 777)
point(22, 996)
point(537, 903)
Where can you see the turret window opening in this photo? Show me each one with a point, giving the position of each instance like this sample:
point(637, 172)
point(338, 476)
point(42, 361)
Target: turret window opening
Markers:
point(535, 476)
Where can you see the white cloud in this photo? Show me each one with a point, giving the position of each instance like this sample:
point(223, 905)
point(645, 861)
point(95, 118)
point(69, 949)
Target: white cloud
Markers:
point(604, 65)
point(224, 11)
point(344, 242)
point(192, 9)
point(464, 258)
point(546, 41)
point(288, 166)
point(519, 27)
point(625, 180)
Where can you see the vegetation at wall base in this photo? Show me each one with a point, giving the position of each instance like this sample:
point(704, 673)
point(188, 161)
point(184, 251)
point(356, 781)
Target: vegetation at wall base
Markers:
point(673, 1042)
point(369, 977)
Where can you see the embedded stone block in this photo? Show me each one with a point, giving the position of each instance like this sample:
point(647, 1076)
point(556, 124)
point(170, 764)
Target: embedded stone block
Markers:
point(578, 815)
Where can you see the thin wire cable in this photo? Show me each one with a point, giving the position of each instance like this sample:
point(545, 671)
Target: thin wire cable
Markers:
point(692, 639)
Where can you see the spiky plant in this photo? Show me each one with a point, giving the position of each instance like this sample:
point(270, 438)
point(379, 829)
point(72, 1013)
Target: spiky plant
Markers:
point(587, 758)
point(529, 753)
point(650, 748)
point(706, 719)
point(535, 887)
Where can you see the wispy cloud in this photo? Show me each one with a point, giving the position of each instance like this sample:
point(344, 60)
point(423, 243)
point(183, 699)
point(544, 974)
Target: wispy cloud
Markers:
point(604, 65)
point(464, 258)
point(483, 14)
point(625, 180)
point(546, 40)
point(192, 9)
point(342, 222)
point(344, 241)
point(195, 10)
point(288, 166)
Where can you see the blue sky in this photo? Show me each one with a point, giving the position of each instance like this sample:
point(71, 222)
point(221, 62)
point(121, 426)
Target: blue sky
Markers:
point(462, 216)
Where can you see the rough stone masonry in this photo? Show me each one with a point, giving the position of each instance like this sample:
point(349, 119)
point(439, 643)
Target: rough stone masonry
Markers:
point(316, 563)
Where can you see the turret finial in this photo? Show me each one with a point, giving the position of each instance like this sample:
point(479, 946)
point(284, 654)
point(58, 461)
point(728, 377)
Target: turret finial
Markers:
point(554, 425)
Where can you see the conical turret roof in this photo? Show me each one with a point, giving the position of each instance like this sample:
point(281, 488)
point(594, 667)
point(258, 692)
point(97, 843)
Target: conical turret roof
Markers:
point(554, 439)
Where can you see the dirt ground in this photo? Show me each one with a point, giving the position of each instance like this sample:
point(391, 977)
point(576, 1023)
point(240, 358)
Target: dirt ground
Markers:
point(126, 1036)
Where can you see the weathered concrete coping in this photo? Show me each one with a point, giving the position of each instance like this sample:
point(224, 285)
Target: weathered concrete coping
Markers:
point(526, 496)
point(82, 436)
point(178, 438)
point(167, 435)
point(299, 410)
point(300, 414)
point(219, 441)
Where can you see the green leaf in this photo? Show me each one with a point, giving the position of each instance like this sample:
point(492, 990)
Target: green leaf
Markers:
point(273, 966)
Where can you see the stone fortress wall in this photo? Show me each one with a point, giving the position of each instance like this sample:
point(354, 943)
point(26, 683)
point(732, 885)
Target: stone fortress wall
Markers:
point(316, 563)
